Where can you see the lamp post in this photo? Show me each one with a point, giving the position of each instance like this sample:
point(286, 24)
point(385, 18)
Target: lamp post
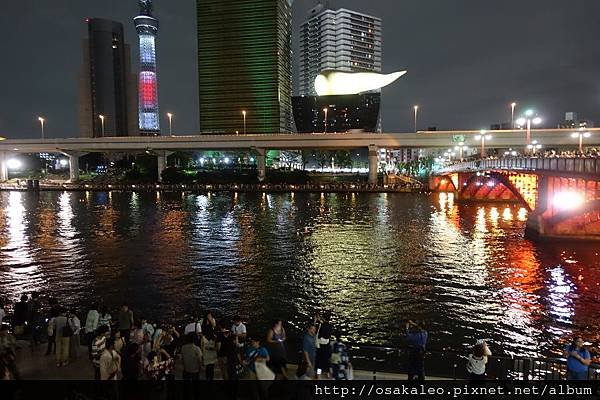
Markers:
point(483, 136)
point(534, 147)
point(325, 120)
point(581, 134)
point(244, 115)
point(527, 120)
point(170, 115)
point(461, 148)
point(512, 114)
point(42, 120)
point(102, 123)
point(416, 110)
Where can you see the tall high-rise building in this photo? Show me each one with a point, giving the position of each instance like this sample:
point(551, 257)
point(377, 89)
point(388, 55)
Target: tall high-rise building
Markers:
point(244, 65)
point(107, 91)
point(147, 27)
point(341, 40)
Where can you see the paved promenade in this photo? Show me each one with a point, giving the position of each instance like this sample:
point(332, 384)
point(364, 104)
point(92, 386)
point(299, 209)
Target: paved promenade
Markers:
point(35, 365)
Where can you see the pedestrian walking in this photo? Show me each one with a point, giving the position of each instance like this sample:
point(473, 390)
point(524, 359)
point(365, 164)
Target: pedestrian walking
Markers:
point(324, 334)
point(340, 360)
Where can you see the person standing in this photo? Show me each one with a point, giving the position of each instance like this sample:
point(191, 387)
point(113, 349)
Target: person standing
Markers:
point(309, 349)
point(75, 342)
point(209, 353)
point(477, 361)
point(104, 317)
point(276, 338)
point(578, 360)
point(98, 346)
point(192, 358)
point(238, 329)
point(227, 354)
point(20, 316)
point(91, 324)
point(340, 361)
point(324, 333)
point(110, 362)
point(416, 340)
point(36, 320)
point(62, 333)
point(2, 312)
point(125, 320)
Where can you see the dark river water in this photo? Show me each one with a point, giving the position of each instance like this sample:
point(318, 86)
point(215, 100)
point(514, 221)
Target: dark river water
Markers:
point(372, 260)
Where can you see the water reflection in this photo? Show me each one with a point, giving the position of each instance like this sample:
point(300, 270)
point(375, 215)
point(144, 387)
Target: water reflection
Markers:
point(371, 259)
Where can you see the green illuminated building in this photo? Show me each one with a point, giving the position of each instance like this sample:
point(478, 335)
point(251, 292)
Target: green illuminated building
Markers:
point(245, 64)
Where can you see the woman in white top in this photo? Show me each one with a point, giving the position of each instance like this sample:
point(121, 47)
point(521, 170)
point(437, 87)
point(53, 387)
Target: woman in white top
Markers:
point(209, 350)
point(477, 361)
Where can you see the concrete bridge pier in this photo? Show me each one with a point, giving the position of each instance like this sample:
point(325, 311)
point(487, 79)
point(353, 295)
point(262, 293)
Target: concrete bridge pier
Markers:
point(3, 166)
point(373, 164)
point(162, 162)
point(73, 164)
point(261, 163)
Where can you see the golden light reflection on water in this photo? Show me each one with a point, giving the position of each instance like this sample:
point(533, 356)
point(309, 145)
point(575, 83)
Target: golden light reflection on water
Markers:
point(372, 260)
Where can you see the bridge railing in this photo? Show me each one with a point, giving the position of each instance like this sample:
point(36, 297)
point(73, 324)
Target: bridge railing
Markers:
point(450, 364)
point(589, 166)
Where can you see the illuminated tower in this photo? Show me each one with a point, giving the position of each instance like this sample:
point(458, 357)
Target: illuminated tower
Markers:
point(147, 26)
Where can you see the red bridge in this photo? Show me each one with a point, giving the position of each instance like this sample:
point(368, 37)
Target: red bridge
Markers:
point(562, 194)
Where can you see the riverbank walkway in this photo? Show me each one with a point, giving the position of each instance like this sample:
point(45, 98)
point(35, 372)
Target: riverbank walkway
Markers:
point(36, 365)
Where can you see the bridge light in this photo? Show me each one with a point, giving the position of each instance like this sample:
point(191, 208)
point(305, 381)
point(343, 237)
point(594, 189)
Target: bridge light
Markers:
point(529, 113)
point(536, 121)
point(521, 121)
point(568, 200)
point(63, 162)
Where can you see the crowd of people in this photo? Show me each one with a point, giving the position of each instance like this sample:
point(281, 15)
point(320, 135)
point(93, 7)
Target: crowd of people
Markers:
point(120, 345)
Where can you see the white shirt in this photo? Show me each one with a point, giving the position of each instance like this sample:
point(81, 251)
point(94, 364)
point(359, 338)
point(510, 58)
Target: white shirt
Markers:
point(476, 365)
point(195, 327)
point(75, 325)
point(238, 329)
point(91, 322)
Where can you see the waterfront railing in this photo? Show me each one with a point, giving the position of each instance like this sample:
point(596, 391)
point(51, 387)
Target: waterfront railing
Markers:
point(572, 165)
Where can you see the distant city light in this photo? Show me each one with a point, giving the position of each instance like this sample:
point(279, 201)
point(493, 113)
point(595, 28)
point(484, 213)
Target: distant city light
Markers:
point(226, 160)
point(63, 162)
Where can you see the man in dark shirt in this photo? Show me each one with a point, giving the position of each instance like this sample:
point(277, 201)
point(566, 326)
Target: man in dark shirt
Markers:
point(21, 315)
point(416, 340)
point(227, 354)
point(125, 320)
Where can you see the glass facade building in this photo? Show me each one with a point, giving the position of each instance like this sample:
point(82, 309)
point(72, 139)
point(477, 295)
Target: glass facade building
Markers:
point(344, 113)
point(244, 64)
point(340, 40)
point(106, 84)
point(147, 27)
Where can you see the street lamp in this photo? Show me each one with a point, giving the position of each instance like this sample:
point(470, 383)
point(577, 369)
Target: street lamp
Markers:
point(416, 110)
point(42, 120)
point(244, 115)
point(483, 136)
point(170, 115)
point(512, 115)
point(528, 119)
point(534, 147)
point(581, 134)
point(461, 148)
point(102, 123)
point(325, 120)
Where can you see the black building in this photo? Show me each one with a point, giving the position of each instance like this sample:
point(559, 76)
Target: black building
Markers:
point(344, 113)
point(107, 89)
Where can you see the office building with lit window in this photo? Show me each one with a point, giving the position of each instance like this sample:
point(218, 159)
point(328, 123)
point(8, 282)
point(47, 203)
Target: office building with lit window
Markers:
point(340, 40)
point(107, 103)
point(245, 64)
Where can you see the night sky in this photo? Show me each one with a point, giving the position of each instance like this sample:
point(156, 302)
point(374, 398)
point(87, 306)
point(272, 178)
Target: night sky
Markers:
point(466, 59)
